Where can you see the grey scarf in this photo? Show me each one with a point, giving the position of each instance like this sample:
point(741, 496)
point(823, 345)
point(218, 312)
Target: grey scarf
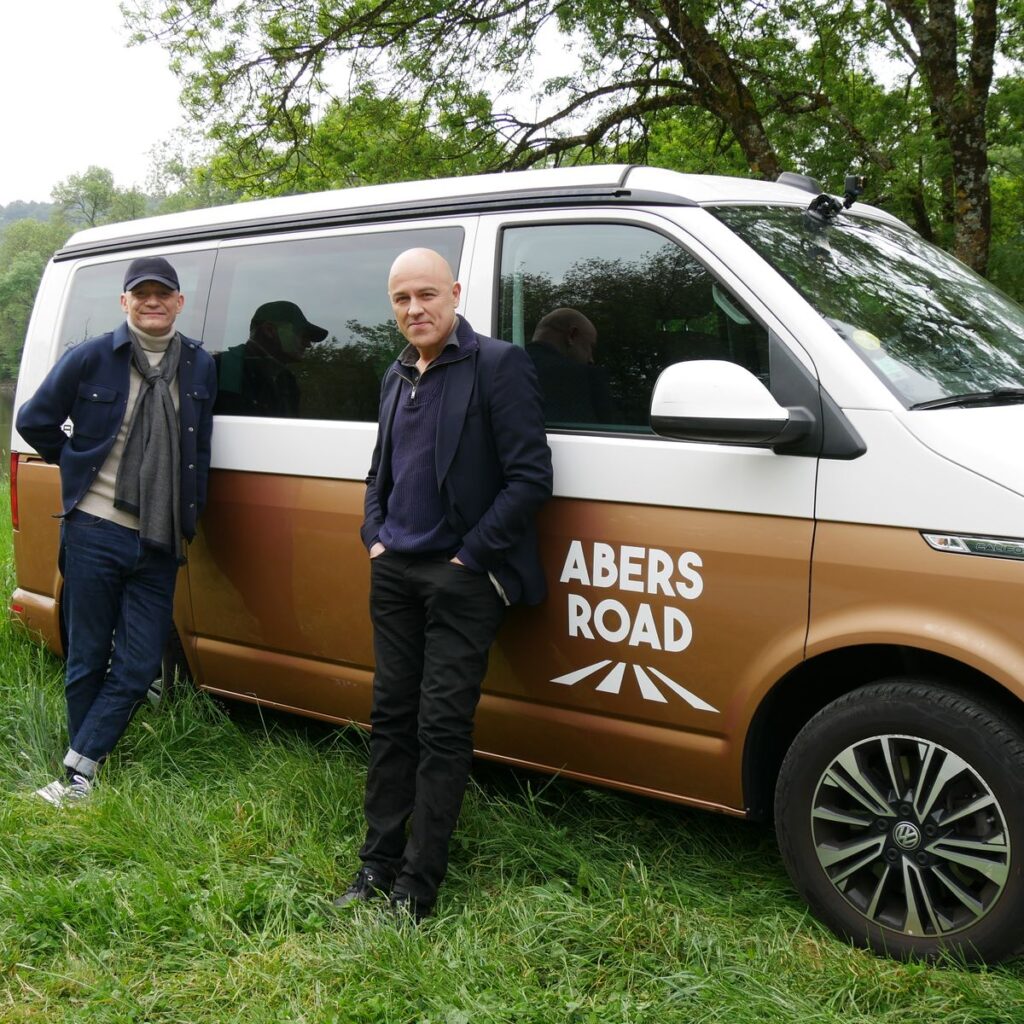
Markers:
point(148, 479)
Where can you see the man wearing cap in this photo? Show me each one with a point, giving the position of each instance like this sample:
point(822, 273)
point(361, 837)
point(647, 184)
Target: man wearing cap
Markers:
point(133, 481)
point(255, 378)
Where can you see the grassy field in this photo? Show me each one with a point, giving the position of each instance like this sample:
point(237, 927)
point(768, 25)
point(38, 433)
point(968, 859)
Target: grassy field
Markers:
point(192, 888)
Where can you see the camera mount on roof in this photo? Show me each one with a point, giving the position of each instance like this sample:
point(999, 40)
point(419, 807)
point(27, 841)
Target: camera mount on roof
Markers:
point(824, 209)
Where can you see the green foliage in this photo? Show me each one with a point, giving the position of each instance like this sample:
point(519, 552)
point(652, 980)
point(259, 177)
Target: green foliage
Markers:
point(693, 141)
point(25, 248)
point(129, 204)
point(86, 199)
point(181, 178)
point(368, 140)
point(1006, 267)
point(92, 198)
point(316, 93)
point(20, 210)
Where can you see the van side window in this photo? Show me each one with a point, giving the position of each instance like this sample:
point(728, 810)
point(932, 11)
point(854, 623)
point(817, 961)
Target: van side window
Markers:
point(303, 328)
point(93, 305)
point(604, 308)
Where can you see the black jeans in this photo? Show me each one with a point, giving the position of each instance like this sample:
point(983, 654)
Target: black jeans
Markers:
point(433, 626)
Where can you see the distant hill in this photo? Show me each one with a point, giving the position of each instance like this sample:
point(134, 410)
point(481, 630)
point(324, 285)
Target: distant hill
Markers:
point(20, 210)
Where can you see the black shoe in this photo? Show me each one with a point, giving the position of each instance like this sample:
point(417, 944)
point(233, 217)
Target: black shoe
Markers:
point(407, 909)
point(369, 884)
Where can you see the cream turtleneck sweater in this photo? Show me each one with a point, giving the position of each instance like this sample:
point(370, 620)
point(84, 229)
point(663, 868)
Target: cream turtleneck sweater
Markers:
point(99, 499)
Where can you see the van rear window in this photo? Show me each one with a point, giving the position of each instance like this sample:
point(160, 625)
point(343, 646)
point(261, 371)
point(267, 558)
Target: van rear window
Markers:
point(302, 327)
point(94, 305)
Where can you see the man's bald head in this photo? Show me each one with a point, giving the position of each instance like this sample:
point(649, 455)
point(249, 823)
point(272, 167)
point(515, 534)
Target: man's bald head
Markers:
point(424, 296)
point(568, 331)
point(421, 261)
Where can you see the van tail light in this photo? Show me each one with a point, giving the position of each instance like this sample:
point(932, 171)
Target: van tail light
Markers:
point(14, 489)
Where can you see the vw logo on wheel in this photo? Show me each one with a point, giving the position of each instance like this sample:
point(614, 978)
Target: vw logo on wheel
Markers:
point(906, 835)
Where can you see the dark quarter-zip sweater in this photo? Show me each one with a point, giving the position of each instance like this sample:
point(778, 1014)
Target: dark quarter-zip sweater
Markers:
point(415, 523)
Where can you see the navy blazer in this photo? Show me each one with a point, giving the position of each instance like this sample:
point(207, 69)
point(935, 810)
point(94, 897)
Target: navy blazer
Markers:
point(89, 386)
point(491, 455)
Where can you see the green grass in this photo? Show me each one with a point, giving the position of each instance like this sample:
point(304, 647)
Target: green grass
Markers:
point(192, 888)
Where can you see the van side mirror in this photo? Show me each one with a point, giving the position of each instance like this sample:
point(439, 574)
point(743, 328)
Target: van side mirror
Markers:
point(713, 400)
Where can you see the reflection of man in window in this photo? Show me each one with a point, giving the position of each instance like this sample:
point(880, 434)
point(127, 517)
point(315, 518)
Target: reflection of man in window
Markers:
point(255, 378)
point(576, 391)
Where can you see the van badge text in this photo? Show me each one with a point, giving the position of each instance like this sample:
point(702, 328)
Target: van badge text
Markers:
point(632, 569)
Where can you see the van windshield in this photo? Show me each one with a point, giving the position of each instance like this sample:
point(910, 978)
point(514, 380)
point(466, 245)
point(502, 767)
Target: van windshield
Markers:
point(929, 327)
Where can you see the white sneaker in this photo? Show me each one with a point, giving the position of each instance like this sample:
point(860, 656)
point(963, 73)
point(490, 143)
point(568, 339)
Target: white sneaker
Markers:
point(58, 792)
point(79, 789)
point(53, 792)
point(155, 692)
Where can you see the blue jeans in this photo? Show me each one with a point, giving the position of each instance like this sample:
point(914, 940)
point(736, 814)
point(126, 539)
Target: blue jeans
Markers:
point(118, 601)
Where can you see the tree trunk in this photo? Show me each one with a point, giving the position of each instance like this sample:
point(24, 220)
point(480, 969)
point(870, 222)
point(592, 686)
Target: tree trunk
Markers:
point(959, 107)
point(719, 88)
point(972, 197)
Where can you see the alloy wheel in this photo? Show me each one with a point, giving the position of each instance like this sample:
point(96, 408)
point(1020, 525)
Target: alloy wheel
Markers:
point(910, 835)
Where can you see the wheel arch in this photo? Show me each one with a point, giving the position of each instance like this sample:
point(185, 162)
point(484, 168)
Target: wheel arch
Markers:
point(807, 688)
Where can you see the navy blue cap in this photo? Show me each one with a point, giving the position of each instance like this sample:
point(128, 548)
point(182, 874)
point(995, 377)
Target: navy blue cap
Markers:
point(284, 312)
point(150, 268)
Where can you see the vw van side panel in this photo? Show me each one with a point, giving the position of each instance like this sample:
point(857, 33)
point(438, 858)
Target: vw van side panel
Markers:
point(885, 585)
point(605, 696)
point(903, 482)
point(279, 582)
point(278, 568)
point(284, 509)
point(35, 551)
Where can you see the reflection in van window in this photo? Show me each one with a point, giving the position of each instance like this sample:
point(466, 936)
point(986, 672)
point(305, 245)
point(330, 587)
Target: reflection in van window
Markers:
point(303, 328)
point(604, 308)
point(93, 305)
point(928, 326)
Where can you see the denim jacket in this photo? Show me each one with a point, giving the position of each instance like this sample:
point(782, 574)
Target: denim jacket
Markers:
point(89, 386)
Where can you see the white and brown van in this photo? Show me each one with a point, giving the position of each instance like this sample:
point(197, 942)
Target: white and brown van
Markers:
point(786, 548)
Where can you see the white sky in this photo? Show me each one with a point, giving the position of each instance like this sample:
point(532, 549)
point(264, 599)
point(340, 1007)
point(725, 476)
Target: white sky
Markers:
point(73, 93)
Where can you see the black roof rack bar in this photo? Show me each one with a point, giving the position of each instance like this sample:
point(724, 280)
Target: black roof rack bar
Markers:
point(445, 206)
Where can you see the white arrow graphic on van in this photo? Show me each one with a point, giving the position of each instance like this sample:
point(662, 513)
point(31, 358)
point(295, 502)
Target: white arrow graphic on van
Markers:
point(649, 690)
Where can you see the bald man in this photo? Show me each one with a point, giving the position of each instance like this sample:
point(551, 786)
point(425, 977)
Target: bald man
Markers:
point(569, 333)
point(576, 392)
point(459, 471)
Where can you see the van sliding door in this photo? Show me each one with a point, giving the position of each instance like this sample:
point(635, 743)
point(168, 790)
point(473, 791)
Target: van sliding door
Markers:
point(302, 331)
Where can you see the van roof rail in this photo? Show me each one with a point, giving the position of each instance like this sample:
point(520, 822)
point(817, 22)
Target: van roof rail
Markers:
point(804, 181)
point(535, 198)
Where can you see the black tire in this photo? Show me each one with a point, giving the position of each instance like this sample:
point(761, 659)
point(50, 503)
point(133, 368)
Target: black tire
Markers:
point(900, 816)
